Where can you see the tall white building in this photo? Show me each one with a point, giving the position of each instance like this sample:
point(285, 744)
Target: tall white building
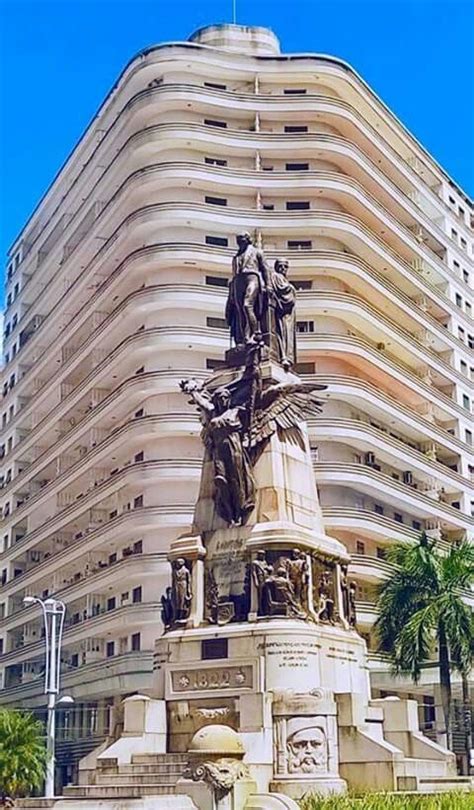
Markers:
point(115, 291)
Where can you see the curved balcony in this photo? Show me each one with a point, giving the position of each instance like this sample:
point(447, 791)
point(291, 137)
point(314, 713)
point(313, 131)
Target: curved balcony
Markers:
point(143, 472)
point(367, 524)
point(198, 297)
point(174, 337)
point(118, 674)
point(123, 618)
point(175, 517)
point(251, 102)
point(362, 436)
point(264, 180)
point(133, 568)
point(338, 262)
point(379, 485)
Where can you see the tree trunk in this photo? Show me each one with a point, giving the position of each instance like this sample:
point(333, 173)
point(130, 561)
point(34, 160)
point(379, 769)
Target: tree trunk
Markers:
point(466, 708)
point(445, 683)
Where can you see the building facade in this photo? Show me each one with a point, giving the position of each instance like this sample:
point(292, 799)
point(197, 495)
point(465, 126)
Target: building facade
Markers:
point(115, 290)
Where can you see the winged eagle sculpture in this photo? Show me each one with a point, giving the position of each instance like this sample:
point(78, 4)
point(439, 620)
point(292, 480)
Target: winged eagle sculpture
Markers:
point(238, 419)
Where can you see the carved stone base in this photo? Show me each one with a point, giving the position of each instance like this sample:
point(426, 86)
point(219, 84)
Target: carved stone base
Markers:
point(297, 788)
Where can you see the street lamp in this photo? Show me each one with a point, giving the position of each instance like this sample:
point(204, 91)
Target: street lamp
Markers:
point(53, 616)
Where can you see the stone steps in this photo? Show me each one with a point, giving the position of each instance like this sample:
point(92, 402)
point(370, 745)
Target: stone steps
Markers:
point(125, 791)
point(156, 759)
point(443, 784)
point(133, 778)
point(171, 768)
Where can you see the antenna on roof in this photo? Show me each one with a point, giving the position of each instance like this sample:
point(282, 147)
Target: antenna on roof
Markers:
point(234, 12)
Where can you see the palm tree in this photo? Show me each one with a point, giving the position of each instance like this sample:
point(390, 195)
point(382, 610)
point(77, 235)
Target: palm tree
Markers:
point(420, 607)
point(22, 753)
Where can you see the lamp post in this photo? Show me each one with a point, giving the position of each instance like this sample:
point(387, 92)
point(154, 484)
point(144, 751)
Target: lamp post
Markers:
point(53, 616)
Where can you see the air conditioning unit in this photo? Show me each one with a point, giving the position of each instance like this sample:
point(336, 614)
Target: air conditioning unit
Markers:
point(408, 477)
point(369, 458)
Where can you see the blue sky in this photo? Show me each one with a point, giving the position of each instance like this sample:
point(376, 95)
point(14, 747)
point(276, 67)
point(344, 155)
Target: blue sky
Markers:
point(59, 58)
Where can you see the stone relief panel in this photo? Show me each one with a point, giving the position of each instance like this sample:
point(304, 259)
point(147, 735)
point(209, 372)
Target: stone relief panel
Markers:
point(324, 590)
point(226, 579)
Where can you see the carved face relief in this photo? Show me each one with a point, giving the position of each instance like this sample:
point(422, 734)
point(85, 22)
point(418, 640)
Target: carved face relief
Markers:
point(307, 751)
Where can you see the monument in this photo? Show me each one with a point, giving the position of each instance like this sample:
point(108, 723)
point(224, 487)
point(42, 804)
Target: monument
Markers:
point(260, 623)
point(261, 690)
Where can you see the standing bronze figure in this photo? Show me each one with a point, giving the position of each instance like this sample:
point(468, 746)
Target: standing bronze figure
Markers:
point(283, 299)
point(246, 303)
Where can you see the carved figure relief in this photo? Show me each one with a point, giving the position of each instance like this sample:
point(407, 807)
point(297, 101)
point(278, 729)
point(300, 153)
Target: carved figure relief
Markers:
point(352, 617)
point(326, 600)
point(238, 419)
point(261, 570)
point(177, 599)
point(306, 748)
point(281, 587)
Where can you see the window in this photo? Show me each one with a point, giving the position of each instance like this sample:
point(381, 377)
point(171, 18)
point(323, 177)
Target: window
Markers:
point(463, 367)
point(215, 86)
point(137, 595)
point(378, 509)
point(466, 402)
point(215, 200)
point(463, 243)
point(468, 435)
point(139, 456)
point(297, 205)
point(299, 244)
point(381, 553)
point(461, 211)
point(110, 649)
point(416, 525)
point(458, 300)
point(465, 276)
point(137, 547)
point(216, 323)
point(111, 603)
point(305, 368)
point(452, 200)
point(302, 284)
point(211, 123)
point(360, 547)
point(304, 327)
point(220, 241)
point(217, 281)
point(456, 265)
point(139, 413)
point(454, 234)
point(295, 129)
point(215, 161)
point(268, 207)
point(468, 308)
point(297, 167)
point(212, 363)
point(398, 518)
point(138, 502)
point(136, 641)
point(113, 556)
point(461, 333)
point(470, 341)
point(267, 168)
point(296, 91)
point(214, 648)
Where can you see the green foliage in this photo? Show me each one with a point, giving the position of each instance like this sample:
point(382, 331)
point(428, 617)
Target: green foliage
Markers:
point(22, 753)
point(390, 801)
point(421, 600)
